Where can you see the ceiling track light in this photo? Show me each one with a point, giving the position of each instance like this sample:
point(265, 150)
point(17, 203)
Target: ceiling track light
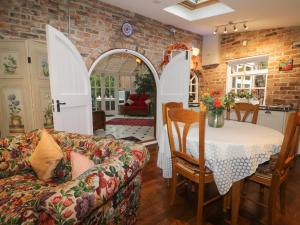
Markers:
point(216, 31)
point(230, 24)
point(235, 28)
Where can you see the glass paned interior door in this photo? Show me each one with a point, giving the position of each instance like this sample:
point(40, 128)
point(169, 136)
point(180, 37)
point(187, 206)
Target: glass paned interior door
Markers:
point(96, 91)
point(110, 97)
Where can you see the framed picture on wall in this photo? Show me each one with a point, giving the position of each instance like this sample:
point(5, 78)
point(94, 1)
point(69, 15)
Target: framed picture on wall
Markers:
point(9, 64)
point(285, 64)
point(43, 68)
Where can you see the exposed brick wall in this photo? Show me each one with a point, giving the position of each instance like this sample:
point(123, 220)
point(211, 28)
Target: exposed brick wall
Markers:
point(95, 27)
point(283, 87)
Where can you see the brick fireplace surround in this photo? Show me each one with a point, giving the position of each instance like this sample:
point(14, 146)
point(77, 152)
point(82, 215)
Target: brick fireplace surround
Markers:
point(95, 28)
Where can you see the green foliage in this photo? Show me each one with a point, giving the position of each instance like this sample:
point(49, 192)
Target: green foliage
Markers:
point(244, 94)
point(144, 83)
point(229, 100)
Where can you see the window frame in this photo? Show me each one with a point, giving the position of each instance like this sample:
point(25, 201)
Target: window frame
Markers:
point(251, 73)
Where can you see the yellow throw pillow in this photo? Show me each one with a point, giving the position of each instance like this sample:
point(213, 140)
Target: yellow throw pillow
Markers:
point(46, 156)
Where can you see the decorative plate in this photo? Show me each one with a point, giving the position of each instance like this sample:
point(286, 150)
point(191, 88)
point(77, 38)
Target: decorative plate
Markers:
point(127, 29)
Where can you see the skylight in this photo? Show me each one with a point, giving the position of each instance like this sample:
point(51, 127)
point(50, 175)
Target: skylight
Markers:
point(196, 4)
point(191, 11)
point(197, 1)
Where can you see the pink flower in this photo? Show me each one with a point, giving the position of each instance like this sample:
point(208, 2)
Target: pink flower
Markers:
point(138, 154)
point(56, 200)
point(68, 202)
point(68, 213)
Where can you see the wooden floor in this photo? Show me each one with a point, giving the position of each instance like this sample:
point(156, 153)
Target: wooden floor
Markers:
point(155, 209)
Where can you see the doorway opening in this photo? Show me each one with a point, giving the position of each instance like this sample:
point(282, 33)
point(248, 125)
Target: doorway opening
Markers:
point(123, 88)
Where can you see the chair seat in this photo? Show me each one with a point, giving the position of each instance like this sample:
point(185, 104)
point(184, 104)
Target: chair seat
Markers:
point(263, 174)
point(191, 167)
point(268, 167)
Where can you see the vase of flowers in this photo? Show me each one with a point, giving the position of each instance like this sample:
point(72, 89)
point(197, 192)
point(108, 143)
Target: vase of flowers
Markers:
point(215, 108)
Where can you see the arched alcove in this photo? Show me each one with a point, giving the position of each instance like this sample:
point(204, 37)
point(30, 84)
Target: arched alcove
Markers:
point(138, 55)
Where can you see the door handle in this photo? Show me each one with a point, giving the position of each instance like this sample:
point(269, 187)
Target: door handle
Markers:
point(268, 112)
point(58, 105)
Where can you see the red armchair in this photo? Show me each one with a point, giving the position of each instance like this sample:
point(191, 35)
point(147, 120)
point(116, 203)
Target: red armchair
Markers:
point(137, 105)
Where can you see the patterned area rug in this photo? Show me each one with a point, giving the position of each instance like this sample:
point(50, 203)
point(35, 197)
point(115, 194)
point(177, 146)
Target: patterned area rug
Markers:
point(131, 122)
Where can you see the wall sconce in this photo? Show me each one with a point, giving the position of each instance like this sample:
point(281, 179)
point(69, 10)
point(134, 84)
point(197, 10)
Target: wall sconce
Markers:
point(195, 51)
point(138, 60)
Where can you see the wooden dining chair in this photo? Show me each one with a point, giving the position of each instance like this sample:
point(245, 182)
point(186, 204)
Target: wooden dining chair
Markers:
point(183, 163)
point(246, 109)
point(169, 105)
point(274, 173)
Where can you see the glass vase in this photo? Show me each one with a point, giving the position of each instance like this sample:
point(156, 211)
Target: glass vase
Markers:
point(215, 119)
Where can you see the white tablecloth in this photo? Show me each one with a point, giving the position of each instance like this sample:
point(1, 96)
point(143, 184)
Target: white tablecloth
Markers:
point(232, 152)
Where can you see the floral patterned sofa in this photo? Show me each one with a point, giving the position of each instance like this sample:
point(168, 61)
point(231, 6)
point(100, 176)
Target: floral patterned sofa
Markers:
point(105, 194)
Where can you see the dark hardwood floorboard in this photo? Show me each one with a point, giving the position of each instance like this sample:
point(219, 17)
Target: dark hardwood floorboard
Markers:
point(155, 209)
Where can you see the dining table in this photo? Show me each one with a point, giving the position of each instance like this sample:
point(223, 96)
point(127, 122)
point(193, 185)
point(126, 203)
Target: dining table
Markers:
point(232, 152)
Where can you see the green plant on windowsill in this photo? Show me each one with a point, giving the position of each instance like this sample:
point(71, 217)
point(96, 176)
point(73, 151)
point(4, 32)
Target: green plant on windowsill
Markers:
point(245, 94)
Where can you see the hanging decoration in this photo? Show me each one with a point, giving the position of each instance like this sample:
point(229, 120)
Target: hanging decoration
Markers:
point(172, 48)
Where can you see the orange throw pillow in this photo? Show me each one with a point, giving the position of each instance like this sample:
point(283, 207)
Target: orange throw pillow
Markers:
point(45, 157)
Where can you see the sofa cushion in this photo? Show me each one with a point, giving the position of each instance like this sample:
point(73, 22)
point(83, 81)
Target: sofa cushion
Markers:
point(129, 101)
point(80, 164)
point(45, 157)
point(137, 107)
point(20, 197)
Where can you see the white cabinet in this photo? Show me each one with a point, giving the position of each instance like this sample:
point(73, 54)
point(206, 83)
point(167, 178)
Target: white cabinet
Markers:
point(272, 119)
point(25, 102)
point(211, 50)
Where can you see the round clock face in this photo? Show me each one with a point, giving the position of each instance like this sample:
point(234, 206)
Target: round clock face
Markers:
point(127, 29)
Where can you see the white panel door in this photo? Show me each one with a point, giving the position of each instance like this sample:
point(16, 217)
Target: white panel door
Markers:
point(173, 85)
point(70, 85)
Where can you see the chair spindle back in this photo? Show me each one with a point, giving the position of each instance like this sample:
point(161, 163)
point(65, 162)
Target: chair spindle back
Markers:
point(246, 108)
point(182, 120)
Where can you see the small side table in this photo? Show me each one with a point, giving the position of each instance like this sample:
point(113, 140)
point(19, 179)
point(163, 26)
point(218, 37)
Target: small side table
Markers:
point(121, 109)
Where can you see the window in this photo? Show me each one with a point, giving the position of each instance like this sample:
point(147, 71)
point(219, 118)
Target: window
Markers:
point(193, 88)
point(248, 75)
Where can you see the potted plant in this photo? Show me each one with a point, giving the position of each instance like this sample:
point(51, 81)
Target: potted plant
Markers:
point(244, 96)
point(14, 110)
point(229, 100)
point(48, 115)
point(145, 85)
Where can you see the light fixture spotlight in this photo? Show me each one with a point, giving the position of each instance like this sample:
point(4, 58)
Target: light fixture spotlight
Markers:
point(235, 28)
point(216, 31)
point(232, 26)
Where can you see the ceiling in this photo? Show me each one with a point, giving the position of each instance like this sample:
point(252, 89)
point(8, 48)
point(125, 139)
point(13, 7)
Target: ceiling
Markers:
point(261, 14)
point(121, 64)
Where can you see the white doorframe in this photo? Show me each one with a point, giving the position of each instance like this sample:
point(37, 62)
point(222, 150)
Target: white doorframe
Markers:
point(142, 57)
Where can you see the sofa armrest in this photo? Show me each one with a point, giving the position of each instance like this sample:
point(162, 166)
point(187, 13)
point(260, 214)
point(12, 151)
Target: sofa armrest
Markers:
point(13, 155)
point(72, 201)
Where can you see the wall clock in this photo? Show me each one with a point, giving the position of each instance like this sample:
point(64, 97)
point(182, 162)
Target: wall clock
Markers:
point(127, 29)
